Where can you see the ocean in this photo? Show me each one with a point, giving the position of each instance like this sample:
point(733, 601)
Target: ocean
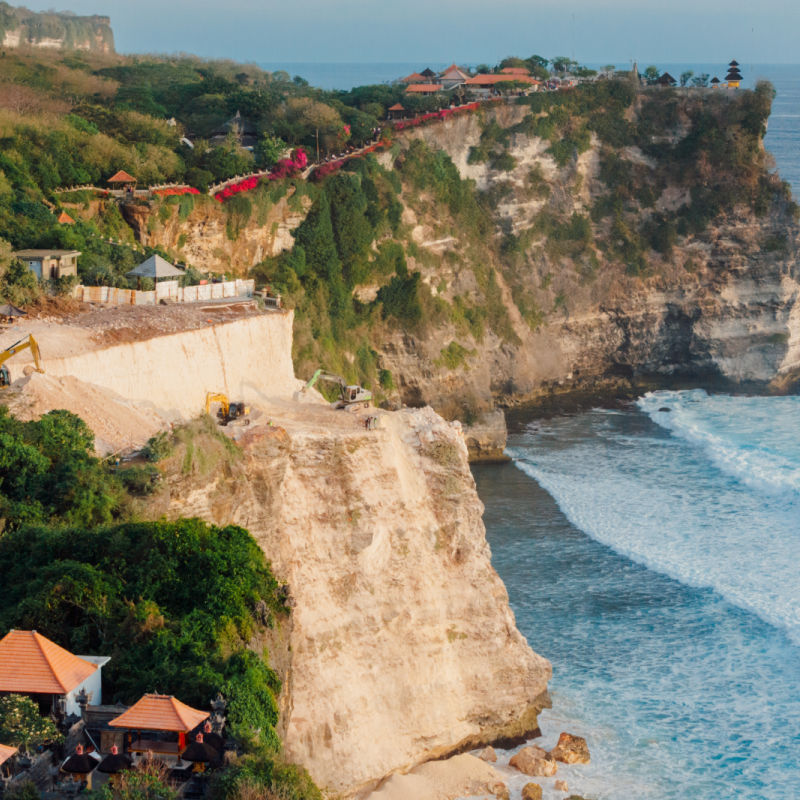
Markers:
point(651, 553)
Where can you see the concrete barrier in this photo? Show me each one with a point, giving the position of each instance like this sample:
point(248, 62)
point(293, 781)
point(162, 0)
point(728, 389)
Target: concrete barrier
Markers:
point(166, 290)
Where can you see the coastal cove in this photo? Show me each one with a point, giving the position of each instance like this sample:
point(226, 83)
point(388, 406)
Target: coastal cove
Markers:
point(633, 554)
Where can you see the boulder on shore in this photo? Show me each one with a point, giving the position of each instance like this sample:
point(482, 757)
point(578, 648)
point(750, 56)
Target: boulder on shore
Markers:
point(561, 786)
point(571, 749)
point(488, 754)
point(531, 791)
point(500, 791)
point(534, 761)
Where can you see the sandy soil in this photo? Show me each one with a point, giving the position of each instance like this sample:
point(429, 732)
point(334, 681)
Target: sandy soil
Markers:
point(460, 776)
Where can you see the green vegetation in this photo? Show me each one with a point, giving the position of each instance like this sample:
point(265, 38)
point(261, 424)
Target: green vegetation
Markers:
point(49, 475)
point(122, 588)
point(21, 724)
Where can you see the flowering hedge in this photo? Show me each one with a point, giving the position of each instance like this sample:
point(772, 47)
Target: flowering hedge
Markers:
point(176, 190)
point(435, 115)
point(285, 168)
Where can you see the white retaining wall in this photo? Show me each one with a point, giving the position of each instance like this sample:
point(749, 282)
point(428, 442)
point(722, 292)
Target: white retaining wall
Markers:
point(165, 290)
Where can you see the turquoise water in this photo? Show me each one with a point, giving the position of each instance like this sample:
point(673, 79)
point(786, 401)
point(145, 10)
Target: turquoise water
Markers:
point(653, 557)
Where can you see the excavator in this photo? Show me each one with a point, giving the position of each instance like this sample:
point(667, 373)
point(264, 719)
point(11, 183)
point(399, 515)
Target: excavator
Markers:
point(349, 396)
point(22, 344)
point(227, 411)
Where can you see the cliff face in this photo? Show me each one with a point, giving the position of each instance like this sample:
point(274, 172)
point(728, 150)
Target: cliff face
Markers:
point(54, 31)
point(402, 646)
point(651, 258)
point(722, 303)
point(211, 238)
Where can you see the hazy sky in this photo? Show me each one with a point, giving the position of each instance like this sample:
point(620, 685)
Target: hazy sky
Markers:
point(467, 31)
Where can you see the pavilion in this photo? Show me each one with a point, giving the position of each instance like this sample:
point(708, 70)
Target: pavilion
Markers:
point(396, 111)
point(164, 719)
point(31, 664)
point(122, 180)
point(155, 267)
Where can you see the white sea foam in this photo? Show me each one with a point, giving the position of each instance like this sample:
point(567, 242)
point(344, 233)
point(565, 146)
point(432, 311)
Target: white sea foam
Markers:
point(754, 439)
point(717, 507)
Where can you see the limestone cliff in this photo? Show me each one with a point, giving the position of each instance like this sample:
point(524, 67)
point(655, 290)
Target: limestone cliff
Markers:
point(721, 304)
point(648, 240)
point(402, 645)
point(20, 27)
point(213, 237)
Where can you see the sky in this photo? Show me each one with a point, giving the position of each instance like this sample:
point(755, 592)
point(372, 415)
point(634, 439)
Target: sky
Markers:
point(465, 31)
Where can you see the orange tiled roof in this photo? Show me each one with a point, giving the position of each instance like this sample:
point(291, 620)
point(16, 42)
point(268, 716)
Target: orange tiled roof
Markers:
point(490, 80)
point(65, 219)
point(30, 662)
point(6, 752)
point(396, 107)
point(121, 177)
point(160, 712)
point(424, 88)
point(414, 77)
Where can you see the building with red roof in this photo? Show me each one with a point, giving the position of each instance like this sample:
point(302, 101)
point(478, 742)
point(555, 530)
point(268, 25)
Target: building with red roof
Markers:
point(414, 77)
point(160, 714)
point(33, 665)
point(453, 76)
point(424, 88)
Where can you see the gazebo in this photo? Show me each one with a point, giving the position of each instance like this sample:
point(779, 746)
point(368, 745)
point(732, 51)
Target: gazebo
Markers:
point(158, 723)
point(155, 267)
point(666, 80)
point(122, 180)
point(65, 219)
point(397, 111)
point(715, 82)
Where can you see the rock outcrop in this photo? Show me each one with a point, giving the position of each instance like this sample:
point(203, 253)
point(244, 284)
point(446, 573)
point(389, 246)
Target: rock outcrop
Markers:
point(402, 647)
point(208, 239)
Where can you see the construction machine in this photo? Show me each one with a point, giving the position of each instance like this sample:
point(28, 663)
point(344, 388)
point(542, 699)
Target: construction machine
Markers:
point(22, 344)
point(350, 396)
point(227, 411)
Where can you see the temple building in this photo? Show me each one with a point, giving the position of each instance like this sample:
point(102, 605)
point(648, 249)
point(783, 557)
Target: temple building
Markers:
point(31, 664)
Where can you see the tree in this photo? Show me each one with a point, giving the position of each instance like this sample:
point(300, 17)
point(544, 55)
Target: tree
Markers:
point(269, 150)
point(22, 725)
point(651, 74)
point(686, 77)
point(700, 80)
point(147, 782)
point(483, 69)
point(563, 64)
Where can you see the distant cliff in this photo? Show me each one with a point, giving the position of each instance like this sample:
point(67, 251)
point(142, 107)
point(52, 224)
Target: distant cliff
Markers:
point(20, 27)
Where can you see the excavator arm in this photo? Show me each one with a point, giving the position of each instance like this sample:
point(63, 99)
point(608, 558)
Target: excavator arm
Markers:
point(216, 397)
point(22, 344)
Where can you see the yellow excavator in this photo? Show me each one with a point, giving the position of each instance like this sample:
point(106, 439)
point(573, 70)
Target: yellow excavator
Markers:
point(22, 344)
point(227, 411)
point(349, 396)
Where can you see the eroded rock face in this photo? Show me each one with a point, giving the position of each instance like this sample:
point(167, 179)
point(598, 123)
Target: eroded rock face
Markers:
point(571, 749)
point(402, 645)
